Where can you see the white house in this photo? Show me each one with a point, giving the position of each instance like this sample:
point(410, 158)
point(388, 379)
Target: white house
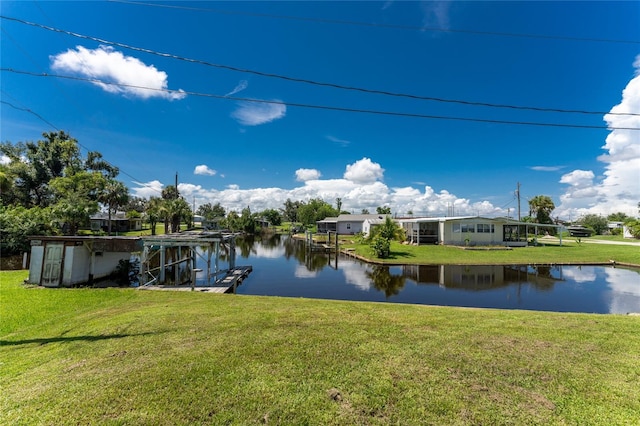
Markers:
point(350, 224)
point(470, 230)
point(68, 261)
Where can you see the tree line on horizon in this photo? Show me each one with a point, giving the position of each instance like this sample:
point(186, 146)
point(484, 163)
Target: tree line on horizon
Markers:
point(48, 187)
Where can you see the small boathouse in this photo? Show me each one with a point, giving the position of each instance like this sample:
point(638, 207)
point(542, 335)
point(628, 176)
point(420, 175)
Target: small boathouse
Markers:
point(170, 261)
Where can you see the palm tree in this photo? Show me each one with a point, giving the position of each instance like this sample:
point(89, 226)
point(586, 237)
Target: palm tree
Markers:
point(541, 207)
point(114, 195)
point(176, 211)
point(154, 212)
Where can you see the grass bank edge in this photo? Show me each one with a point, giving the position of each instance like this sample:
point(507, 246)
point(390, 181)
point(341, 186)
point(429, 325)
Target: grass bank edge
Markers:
point(185, 358)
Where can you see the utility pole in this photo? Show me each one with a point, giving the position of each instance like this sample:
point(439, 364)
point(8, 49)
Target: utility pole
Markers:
point(177, 193)
point(518, 195)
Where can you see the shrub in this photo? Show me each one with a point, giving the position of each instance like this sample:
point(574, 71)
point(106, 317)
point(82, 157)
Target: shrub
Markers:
point(381, 247)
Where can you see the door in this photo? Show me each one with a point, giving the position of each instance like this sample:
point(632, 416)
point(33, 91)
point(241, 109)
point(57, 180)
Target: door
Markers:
point(52, 265)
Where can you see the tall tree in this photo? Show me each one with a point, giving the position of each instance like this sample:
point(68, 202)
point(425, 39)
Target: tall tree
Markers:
point(154, 212)
point(540, 208)
point(210, 212)
point(170, 192)
point(618, 217)
point(114, 195)
point(33, 164)
point(596, 222)
point(383, 210)
point(177, 210)
point(77, 197)
point(316, 209)
point(138, 204)
point(290, 211)
point(247, 221)
point(273, 216)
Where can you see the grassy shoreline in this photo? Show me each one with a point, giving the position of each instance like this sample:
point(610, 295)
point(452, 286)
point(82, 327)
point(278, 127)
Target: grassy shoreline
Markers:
point(121, 356)
point(549, 253)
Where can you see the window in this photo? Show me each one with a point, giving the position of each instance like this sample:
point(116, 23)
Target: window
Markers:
point(348, 225)
point(455, 228)
point(486, 228)
point(468, 227)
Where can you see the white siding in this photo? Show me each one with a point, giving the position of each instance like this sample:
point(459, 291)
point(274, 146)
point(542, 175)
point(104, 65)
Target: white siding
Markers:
point(475, 238)
point(77, 271)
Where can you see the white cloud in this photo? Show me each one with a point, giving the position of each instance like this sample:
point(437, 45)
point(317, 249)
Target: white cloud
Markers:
point(578, 178)
point(546, 168)
point(618, 190)
point(360, 191)
point(338, 141)
point(242, 85)
point(256, 113)
point(203, 169)
point(4, 159)
point(148, 189)
point(364, 171)
point(107, 64)
point(303, 175)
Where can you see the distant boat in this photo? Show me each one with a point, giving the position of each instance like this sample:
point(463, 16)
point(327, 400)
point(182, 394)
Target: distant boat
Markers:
point(579, 231)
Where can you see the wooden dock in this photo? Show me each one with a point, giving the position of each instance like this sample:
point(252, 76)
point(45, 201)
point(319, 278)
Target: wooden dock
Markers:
point(227, 284)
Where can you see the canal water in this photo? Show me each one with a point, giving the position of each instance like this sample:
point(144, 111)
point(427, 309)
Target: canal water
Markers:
point(285, 267)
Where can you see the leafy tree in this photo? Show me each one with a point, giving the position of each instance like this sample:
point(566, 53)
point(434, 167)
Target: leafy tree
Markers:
point(383, 210)
point(17, 223)
point(316, 209)
point(339, 204)
point(77, 197)
point(138, 204)
point(247, 221)
point(381, 246)
point(541, 207)
point(365, 211)
point(95, 163)
point(210, 212)
point(596, 222)
point(290, 211)
point(33, 164)
point(273, 216)
point(618, 217)
point(232, 221)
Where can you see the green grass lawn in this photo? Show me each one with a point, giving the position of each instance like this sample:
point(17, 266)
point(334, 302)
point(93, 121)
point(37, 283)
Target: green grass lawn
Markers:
point(547, 253)
point(124, 356)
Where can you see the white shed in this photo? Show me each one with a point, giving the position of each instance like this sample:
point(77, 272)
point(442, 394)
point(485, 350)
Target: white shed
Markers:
point(68, 261)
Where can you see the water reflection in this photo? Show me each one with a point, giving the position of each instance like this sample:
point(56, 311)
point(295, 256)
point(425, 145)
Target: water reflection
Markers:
point(286, 267)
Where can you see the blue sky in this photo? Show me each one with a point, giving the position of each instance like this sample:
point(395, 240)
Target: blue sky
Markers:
point(188, 111)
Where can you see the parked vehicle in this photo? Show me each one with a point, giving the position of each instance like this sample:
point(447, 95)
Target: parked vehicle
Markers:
point(579, 231)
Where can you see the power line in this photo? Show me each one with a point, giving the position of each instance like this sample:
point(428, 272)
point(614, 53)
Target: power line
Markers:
point(30, 111)
point(378, 25)
point(321, 107)
point(313, 82)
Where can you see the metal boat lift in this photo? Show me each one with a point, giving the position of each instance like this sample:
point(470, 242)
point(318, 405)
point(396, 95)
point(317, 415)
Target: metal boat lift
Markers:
point(171, 258)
